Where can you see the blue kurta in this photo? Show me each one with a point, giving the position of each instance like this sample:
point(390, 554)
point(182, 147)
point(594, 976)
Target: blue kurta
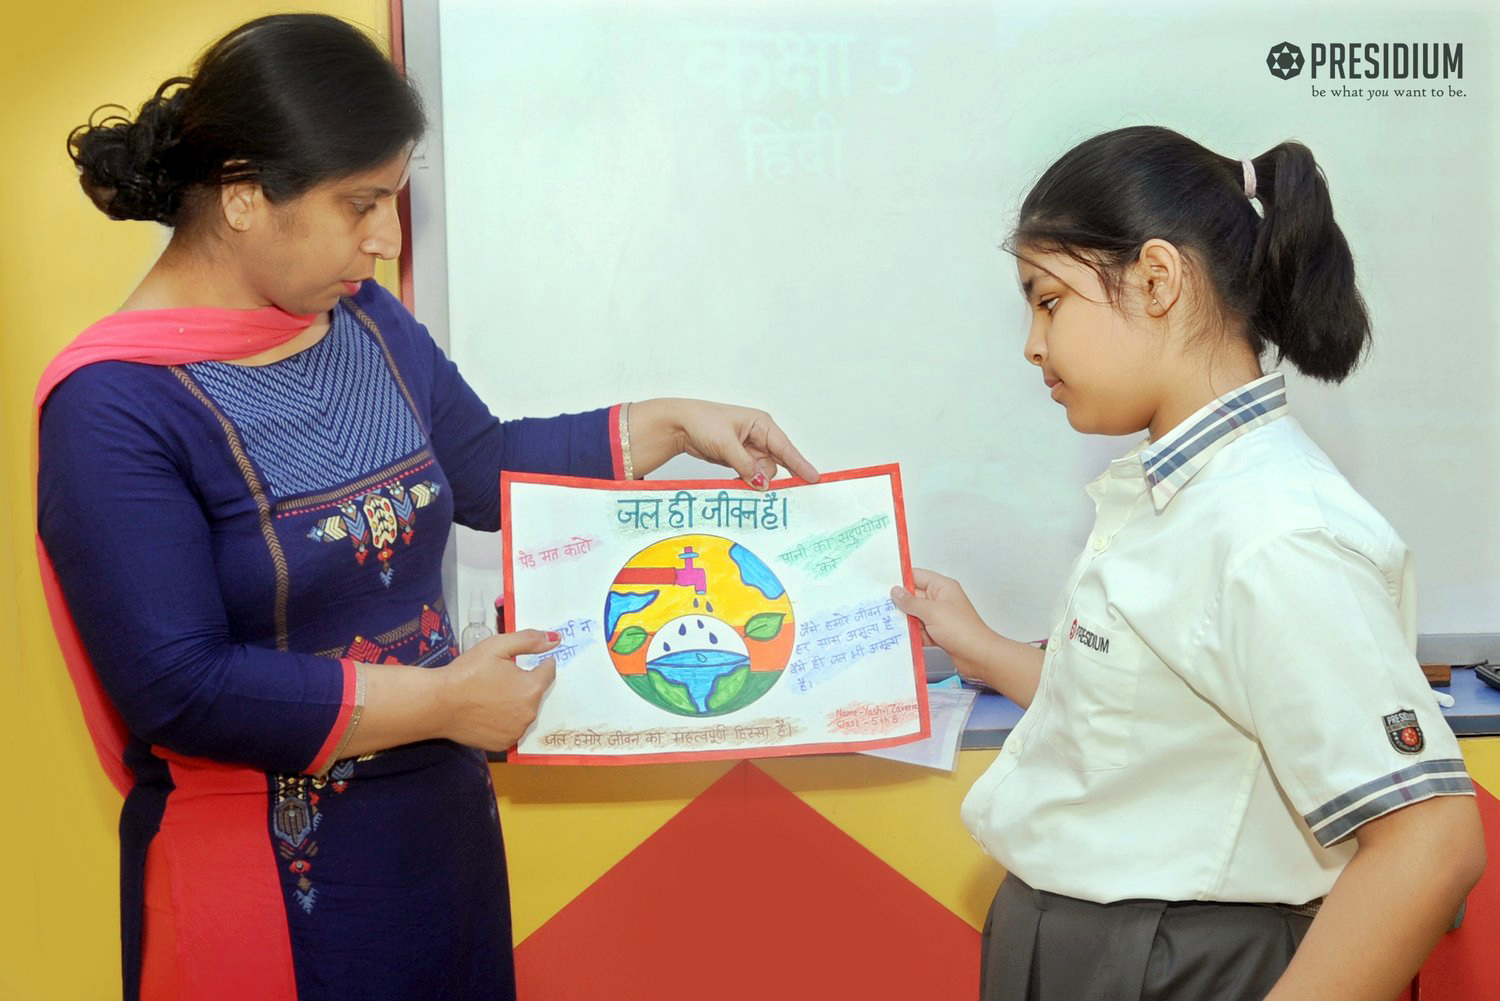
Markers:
point(230, 540)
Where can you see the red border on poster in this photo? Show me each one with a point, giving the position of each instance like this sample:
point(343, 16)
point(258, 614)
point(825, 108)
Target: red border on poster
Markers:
point(919, 669)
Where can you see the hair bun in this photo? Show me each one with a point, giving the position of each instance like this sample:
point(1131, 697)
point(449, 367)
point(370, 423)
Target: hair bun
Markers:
point(123, 165)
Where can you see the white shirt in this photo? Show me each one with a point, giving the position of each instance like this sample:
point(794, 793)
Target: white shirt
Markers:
point(1232, 688)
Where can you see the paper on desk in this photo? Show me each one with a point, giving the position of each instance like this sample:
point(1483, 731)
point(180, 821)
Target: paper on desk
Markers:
point(949, 709)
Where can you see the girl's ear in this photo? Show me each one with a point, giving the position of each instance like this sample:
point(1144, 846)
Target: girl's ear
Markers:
point(1159, 269)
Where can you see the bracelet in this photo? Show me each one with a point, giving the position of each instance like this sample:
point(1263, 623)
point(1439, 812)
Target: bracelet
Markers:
point(354, 715)
point(625, 442)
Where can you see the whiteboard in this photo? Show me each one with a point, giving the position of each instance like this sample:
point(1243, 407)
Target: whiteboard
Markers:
point(798, 206)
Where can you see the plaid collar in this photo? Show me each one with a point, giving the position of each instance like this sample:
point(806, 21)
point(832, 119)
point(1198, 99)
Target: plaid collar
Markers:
point(1172, 461)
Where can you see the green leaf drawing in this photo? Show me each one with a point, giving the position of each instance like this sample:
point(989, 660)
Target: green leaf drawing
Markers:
point(726, 688)
point(757, 683)
point(631, 639)
point(764, 626)
point(674, 695)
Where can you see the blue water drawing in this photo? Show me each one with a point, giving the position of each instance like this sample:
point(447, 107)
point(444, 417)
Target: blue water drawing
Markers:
point(698, 670)
point(754, 573)
point(619, 604)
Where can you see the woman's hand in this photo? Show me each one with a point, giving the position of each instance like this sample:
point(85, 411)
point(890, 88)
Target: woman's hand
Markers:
point(747, 441)
point(481, 699)
point(489, 701)
point(949, 620)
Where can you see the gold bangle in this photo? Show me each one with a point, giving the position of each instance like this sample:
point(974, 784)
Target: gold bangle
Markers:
point(354, 715)
point(625, 442)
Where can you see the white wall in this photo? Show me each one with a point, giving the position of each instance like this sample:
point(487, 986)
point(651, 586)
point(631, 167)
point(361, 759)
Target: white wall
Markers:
point(620, 224)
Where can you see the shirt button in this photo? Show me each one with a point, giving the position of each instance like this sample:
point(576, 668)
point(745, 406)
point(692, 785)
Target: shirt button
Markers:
point(1014, 744)
point(1099, 543)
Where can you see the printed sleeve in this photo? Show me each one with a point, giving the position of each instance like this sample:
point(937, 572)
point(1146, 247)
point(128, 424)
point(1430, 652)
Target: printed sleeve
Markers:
point(132, 551)
point(473, 447)
point(1311, 657)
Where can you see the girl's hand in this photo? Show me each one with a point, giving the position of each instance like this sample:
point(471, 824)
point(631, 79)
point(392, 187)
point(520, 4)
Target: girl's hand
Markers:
point(949, 621)
point(490, 701)
point(747, 441)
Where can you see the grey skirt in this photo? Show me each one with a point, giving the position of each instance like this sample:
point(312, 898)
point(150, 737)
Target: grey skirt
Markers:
point(1040, 946)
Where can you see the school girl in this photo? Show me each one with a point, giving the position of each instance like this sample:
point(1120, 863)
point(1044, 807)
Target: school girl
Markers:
point(1231, 780)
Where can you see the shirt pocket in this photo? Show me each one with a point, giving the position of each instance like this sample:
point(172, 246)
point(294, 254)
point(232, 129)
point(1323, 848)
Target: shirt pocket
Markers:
point(1095, 676)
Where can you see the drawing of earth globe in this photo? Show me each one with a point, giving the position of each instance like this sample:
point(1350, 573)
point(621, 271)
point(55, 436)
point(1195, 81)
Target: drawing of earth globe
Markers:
point(698, 625)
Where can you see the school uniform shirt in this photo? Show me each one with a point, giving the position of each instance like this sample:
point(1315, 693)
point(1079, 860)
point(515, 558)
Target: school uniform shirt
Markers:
point(1231, 690)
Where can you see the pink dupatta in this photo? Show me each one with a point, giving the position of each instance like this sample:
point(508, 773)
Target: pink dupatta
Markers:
point(151, 337)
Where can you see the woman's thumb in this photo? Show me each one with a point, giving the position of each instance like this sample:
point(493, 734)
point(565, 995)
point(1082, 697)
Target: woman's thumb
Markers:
point(512, 645)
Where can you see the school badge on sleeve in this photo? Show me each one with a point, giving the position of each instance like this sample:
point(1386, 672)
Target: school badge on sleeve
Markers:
point(1405, 734)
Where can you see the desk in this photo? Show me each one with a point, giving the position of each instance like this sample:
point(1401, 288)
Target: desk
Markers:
point(1475, 711)
point(1476, 706)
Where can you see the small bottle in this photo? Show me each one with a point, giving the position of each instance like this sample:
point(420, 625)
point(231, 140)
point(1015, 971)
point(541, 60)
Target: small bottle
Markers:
point(477, 629)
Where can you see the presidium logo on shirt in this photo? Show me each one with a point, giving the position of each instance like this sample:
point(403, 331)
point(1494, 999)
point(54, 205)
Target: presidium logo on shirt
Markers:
point(1405, 734)
point(1084, 636)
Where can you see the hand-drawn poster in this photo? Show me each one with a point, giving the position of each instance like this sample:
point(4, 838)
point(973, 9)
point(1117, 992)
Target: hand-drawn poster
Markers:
point(702, 619)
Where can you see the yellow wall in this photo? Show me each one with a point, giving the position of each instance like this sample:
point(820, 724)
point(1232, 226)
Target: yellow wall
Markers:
point(63, 265)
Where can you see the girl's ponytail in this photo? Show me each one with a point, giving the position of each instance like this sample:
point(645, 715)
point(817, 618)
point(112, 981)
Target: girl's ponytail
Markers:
point(1306, 302)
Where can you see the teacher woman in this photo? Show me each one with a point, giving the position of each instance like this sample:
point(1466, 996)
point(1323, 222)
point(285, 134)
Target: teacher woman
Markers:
point(247, 476)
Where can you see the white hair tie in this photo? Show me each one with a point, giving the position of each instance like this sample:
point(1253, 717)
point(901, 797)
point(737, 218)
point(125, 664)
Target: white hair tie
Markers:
point(1249, 178)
